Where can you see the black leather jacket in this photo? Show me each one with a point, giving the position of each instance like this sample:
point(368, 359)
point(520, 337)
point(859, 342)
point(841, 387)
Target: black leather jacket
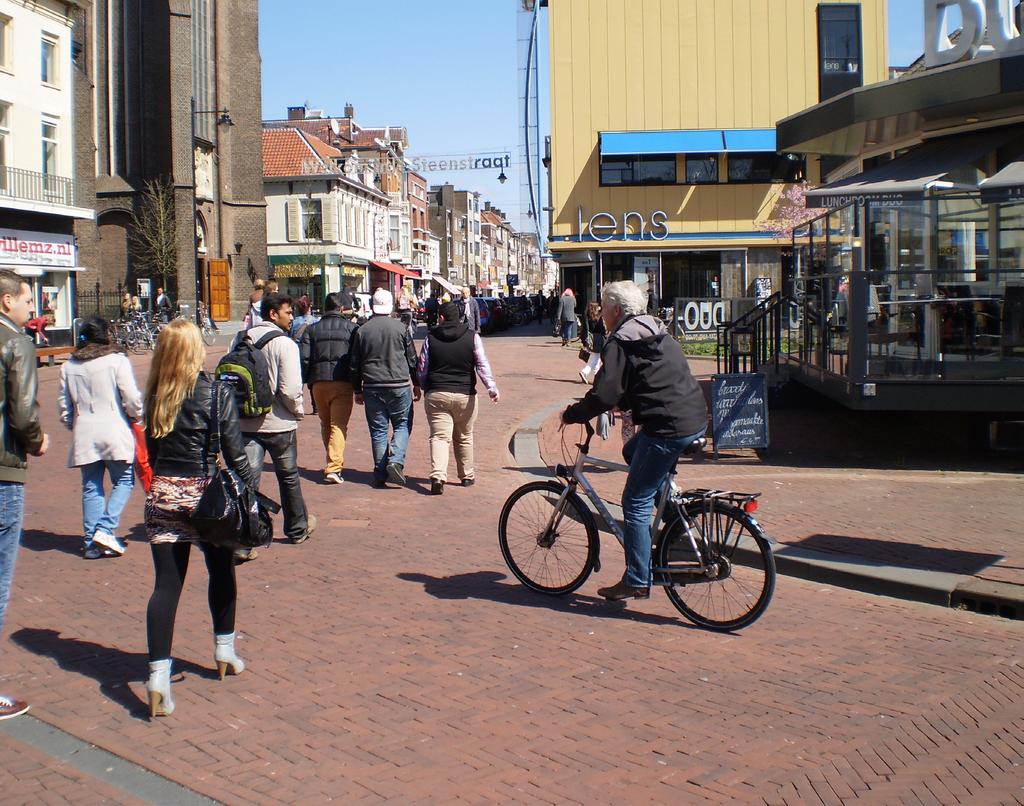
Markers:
point(325, 349)
point(19, 411)
point(187, 450)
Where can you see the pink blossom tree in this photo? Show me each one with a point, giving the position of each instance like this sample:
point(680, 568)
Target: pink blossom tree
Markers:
point(790, 213)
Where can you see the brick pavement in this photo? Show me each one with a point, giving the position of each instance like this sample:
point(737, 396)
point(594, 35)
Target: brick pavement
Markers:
point(392, 657)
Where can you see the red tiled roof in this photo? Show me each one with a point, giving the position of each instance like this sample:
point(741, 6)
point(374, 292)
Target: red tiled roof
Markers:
point(289, 152)
point(318, 127)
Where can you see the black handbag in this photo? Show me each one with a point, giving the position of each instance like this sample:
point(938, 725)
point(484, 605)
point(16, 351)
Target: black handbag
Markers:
point(229, 513)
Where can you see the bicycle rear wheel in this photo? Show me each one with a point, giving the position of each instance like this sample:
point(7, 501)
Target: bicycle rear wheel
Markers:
point(209, 335)
point(737, 550)
point(553, 561)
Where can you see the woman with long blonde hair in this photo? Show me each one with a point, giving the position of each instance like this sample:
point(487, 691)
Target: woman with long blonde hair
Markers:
point(178, 405)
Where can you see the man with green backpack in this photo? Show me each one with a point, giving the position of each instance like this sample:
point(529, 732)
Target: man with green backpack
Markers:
point(266, 372)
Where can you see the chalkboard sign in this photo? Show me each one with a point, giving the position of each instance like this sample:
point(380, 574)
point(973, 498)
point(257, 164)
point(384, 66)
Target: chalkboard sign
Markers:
point(739, 410)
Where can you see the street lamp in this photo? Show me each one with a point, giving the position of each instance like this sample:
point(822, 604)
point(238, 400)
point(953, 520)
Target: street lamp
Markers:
point(223, 119)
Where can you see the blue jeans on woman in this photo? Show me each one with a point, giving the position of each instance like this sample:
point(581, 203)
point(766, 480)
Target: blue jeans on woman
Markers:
point(12, 508)
point(650, 460)
point(386, 407)
point(100, 513)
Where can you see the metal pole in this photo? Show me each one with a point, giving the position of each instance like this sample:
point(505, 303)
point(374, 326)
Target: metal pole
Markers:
point(195, 203)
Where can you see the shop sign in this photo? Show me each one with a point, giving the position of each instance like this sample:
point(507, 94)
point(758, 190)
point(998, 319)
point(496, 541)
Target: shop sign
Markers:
point(983, 21)
point(605, 226)
point(23, 248)
point(700, 316)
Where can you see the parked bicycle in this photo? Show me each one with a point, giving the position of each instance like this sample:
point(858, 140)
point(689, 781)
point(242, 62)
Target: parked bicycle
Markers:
point(709, 552)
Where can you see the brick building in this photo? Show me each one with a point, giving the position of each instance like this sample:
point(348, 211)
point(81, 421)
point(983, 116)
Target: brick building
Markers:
point(142, 65)
point(455, 219)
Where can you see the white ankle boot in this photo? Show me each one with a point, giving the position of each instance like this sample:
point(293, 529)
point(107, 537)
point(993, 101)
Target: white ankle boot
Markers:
point(159, 688)
point(224, 654)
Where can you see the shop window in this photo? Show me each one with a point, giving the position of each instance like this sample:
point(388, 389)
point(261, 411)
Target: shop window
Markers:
point(701, 169)
point(49, 65)
point(765, 168)
point(55, 297)
point(639, 170)
point(840, 66)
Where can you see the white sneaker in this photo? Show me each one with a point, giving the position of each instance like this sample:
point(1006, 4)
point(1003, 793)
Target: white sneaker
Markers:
point(109, 542)
point(333, 478)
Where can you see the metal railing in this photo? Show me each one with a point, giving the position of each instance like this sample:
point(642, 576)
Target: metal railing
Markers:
point(18, 183)
point(753, 342)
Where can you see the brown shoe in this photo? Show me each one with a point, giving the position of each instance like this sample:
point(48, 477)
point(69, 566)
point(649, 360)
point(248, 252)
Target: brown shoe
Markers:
point(10, 707)
point(623, 590)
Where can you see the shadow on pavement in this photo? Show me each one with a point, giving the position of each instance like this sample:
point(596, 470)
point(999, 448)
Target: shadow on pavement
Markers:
point(483, 585)
point(36, 540)
point(112, 668)
point(909, 555)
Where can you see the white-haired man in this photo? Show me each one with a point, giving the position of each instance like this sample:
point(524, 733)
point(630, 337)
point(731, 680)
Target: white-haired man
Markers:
point(644, 371)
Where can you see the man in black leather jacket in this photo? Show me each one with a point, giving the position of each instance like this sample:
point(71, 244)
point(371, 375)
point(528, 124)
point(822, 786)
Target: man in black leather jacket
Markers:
point(324, 350)
point(22, 434)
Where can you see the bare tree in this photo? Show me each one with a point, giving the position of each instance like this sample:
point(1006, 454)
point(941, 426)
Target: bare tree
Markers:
point(154, 232)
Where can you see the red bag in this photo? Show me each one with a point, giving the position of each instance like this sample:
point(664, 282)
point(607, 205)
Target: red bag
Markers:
point(142, 468)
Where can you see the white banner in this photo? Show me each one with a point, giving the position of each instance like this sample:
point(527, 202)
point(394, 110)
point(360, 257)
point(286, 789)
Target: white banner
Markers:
point(39, 249)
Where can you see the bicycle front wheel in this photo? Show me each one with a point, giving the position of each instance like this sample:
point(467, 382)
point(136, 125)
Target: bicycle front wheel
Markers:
point(553, 555)
point(209, 335)
point(739, 557)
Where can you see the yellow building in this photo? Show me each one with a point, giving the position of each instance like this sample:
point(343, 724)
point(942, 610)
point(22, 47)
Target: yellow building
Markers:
point(663, 154)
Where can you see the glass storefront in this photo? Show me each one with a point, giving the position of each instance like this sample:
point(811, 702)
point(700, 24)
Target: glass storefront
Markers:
point(666, 276)
point(944, 297)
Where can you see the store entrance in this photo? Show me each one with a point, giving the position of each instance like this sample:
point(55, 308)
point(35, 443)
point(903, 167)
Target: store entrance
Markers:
point(579, 279)
point(691, 275)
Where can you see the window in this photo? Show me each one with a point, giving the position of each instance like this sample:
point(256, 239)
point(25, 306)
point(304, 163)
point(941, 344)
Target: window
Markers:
point(312, 219)
point(5, 42)
point(48, 66)
point(659, 169)
point(202, 67)
point(761, 168)
point(49, 155)
point(839, 49)
point(5, 139)
point(701, 169)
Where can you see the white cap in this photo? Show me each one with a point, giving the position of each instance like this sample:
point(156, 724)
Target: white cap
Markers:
point(383, 303)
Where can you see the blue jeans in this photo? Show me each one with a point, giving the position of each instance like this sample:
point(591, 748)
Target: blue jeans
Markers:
point(384, 407)
point(98, 511)
point(568, 330)
point(12, 508)
point(650, 461)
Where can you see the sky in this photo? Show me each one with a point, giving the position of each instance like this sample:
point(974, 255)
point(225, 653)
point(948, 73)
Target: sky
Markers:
point(446, 71)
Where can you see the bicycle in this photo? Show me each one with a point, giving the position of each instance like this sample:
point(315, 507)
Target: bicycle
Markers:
point(710, 554)
point(207, 328)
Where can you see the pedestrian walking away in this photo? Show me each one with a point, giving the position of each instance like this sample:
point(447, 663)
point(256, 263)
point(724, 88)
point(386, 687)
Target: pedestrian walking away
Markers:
point(179, 406)
point(22, 435)
point(644, 370)
point(98, 400)
point(450, 361)
point(275, 433)
point(325, 348)
point(383, 370)
point(567, 315)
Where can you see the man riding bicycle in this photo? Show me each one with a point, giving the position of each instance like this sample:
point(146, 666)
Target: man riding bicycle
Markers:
point(644, 371)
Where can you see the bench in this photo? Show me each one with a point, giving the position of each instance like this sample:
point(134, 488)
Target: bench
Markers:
point(49, 353)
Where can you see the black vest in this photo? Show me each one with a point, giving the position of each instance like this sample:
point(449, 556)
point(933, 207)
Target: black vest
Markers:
point(452, 365)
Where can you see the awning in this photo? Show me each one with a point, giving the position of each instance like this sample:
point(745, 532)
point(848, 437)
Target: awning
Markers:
point(688, 141)
point(401, 271)
point(1005, 186)
point(930, 166)
point(447, 286)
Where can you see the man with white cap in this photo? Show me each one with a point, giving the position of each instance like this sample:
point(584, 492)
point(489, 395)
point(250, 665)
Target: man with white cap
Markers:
point(383, 372)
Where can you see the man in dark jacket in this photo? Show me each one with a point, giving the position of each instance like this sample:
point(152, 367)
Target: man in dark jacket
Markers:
point(644, 371)
point(383, 371)
point(324, 348)
point(451, 358)
point(470, 310)
point(22, 434)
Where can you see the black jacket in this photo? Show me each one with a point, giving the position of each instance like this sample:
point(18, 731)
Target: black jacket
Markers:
point(19, 411)
point(451, 363)
point(644, 371)
point(325, 347)
point(590, 328)
point(382, 355)
point(183, 451)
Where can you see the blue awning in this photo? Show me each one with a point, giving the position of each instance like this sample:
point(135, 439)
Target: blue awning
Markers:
point(686, 141)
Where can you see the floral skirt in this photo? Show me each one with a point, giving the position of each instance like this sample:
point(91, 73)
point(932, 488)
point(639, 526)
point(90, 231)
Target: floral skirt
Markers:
point(169, 507)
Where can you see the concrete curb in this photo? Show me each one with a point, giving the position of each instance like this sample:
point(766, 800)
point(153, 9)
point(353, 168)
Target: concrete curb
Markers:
point(843, 571)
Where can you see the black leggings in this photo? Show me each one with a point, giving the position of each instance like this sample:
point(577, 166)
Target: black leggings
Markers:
point(170, 561)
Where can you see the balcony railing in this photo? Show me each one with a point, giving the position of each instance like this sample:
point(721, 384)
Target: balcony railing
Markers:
point(17, 183)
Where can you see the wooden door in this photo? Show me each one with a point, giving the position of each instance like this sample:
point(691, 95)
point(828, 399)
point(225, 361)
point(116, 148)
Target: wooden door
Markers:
point(220, 291)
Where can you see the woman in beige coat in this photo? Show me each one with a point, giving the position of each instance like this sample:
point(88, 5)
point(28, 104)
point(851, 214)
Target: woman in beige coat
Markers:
point(98, 398)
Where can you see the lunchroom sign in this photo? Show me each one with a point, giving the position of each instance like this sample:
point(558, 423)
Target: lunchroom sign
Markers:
point(980, 17)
